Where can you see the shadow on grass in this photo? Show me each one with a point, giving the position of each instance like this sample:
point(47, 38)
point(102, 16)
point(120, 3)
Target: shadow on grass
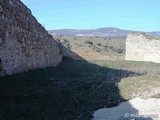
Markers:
point(71, 91)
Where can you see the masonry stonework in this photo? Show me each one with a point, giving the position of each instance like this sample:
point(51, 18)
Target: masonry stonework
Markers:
point(142, 47)
point(24, 43)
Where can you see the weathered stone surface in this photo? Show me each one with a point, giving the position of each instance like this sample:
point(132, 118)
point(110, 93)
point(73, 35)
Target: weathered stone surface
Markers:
point(141, 47)
point(1, 9)
point(11, 2)
point(24, 43)
point(1, 41)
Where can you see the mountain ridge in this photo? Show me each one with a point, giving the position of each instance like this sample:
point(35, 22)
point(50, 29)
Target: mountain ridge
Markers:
point(101, 32)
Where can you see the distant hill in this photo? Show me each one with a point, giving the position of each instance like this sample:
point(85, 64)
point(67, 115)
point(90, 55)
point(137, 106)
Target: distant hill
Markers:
point(154, 33)
point(101, 32)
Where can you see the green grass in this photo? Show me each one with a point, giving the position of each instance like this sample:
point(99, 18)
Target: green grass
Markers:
point(134, 66)
point(71, 91)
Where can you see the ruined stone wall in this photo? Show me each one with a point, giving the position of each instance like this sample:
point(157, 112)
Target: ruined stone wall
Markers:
point(141, 47)
point(24, 43)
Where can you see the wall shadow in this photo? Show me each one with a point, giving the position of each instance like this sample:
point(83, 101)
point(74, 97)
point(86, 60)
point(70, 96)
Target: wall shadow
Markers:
point(71, 91)
point(111, 77)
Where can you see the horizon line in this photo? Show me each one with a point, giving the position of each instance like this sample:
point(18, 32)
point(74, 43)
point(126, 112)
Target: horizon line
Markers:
point(101, 28)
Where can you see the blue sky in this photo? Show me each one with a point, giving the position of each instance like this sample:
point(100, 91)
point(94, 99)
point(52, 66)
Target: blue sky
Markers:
point(141, 15)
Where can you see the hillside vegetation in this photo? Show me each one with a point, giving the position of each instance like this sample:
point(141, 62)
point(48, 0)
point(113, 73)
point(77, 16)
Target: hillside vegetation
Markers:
point(95, 48)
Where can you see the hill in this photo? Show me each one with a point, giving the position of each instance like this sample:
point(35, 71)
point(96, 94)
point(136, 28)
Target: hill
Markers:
point(102, 32)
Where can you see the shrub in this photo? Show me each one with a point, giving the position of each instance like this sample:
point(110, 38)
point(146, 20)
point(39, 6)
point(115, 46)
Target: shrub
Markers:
point(118, 50)
point(65, 41)
point(110, 47)
point(89, 42)
point(105, 38)
point(68, 46)
point(99, 44)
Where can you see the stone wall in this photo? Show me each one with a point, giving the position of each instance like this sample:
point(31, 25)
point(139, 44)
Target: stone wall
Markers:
point(24, 43)
point(142, 47)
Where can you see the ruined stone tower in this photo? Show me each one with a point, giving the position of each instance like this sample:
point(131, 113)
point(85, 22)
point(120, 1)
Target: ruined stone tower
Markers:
point(142, 47)
point(24, 43)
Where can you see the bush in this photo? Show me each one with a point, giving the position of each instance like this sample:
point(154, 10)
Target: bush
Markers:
point(99, 44)
point(106, 48)
point(118, 50)
point(65, 41)
point(110, 47)
point(68, 46)
point(89, 42)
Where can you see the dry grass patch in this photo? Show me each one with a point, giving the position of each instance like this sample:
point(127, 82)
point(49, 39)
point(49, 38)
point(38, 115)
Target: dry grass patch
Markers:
point(140, 86)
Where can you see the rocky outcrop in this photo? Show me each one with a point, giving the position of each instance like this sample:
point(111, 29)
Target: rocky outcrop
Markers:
point(24, 43)
point(142, 47)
